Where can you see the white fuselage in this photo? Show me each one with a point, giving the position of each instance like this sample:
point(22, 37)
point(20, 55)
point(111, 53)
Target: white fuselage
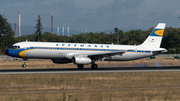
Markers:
point(55, 50)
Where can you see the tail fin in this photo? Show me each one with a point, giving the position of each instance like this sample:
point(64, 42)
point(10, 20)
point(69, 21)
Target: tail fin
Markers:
point(154, 39)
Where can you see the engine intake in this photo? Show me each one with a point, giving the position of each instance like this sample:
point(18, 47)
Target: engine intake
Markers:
point(81, 60)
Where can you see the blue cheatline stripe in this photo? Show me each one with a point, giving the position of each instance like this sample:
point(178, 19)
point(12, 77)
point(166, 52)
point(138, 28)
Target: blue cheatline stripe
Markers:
point(88, 49)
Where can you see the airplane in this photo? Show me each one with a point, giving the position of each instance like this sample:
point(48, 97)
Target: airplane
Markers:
point(84, 53)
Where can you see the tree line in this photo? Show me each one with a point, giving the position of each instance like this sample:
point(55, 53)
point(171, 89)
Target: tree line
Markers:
point(170, 41)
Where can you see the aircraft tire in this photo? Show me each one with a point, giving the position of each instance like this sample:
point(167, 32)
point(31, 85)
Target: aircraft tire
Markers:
point(23, 65)
point(80, 66)
point(94, 66)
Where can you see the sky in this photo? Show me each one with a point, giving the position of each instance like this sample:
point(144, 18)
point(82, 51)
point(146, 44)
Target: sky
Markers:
point(96, 15)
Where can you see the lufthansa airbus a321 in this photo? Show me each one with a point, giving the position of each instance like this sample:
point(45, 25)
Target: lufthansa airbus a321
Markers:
point(83, 53)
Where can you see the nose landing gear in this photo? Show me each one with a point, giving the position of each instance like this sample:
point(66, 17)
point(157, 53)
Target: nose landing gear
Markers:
point(24, 65)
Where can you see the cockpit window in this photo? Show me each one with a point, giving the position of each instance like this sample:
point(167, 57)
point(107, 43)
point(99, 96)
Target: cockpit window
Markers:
point(15, 47)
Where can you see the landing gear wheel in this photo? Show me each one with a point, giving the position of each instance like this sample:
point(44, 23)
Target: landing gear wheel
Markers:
point(94, 66)
point(23, 65)
point(80, 66)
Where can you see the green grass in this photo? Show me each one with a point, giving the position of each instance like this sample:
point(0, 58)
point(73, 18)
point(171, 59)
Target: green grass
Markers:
point(91, 87)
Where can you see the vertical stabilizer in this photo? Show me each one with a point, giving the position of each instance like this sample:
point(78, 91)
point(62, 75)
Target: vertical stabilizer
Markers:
point(154, 39)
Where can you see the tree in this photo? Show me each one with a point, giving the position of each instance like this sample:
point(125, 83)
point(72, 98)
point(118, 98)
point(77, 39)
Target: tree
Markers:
point(38, 33)
point(6, 34)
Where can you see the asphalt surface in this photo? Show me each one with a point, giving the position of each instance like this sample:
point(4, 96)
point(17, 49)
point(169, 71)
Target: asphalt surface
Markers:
point(89, 70)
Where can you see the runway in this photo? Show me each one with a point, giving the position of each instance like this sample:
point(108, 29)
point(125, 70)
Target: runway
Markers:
point(89, 70)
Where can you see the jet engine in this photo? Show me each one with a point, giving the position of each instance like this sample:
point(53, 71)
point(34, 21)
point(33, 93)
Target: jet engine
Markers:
point(81, 60)
point(61, 61)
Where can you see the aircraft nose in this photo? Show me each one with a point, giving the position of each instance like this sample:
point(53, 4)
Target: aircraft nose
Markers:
point(7, 52)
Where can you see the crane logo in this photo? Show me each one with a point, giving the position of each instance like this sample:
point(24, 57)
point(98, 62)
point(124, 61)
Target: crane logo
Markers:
point(159, 32)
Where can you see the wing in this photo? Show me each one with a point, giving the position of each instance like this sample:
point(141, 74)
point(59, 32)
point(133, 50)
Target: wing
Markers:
point(98, 56)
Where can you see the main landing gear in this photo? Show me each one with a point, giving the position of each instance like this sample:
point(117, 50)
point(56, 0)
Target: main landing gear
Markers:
point(93, 66)
point(80, 66)
point(24, 65)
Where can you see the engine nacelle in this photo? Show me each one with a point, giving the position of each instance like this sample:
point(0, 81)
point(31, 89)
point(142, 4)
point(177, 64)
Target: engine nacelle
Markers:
point(81, 60)
point(61, 61)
